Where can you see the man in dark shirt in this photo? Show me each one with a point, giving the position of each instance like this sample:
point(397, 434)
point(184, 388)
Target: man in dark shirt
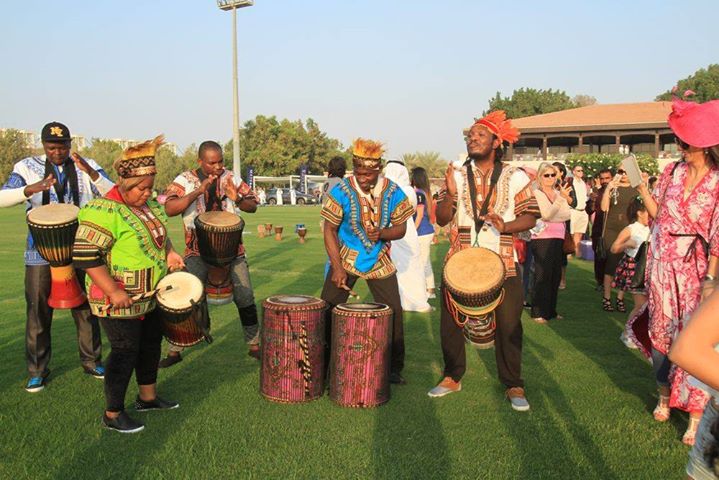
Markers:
point(593, 206)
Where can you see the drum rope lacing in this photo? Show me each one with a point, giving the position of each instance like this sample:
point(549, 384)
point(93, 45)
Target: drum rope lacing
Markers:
point(457, 310)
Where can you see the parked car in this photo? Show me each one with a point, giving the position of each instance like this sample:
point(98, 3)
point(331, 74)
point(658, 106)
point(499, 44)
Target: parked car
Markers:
point(301, 198)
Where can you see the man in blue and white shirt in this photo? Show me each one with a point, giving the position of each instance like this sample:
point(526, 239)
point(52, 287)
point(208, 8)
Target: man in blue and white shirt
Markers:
point(56, 177)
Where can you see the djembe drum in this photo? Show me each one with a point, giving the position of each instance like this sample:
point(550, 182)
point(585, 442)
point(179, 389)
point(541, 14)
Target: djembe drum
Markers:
point(302, 232)
point(219, 235)
point(292, 341)
point(261, 231)
point(473, 280)
point(182, 309)
point(278, 232)
point(53, 230)
point(268, 229)
point(361, 354)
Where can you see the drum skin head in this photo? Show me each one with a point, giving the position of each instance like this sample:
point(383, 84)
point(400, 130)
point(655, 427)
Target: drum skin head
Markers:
point(474, 270)
point(294, 300)
point(185, 287)
point(53, 214)
point(220, 219)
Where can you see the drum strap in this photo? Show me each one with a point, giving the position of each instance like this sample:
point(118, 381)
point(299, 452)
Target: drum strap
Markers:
point(69, 179)
point(479, 217)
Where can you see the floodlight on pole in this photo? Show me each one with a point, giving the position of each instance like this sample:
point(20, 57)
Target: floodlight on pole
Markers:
point(234, 5)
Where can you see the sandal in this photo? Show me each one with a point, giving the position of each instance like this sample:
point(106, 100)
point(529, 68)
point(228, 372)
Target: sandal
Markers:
point(607, 305)
point(691, 432)
point(620, 306)
point(661, 411)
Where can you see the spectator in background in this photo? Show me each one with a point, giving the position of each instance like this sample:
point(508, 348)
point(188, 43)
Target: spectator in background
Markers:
point(336, 169)
point(561, 181)
point(424, 221)
point(594, 208)
point(652, 183)
point(580, 219)
point(261, 196)
point(547, 242)
point(628, 242)
point(615, 202)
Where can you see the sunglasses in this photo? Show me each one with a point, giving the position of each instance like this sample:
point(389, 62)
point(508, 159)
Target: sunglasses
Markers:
point(549, 175)
point(682, 144)
point(621, 172)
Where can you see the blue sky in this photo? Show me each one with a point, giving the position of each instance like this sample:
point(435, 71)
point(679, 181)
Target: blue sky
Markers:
point(410, 73)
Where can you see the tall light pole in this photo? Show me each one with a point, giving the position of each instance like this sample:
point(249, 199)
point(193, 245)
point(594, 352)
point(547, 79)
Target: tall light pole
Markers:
point(234, 5)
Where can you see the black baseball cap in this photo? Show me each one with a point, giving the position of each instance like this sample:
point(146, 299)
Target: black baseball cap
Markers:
point(55, 132)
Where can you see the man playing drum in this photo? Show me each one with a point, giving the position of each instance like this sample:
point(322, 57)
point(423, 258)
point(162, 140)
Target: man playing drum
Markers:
point(212, 188)
point(363, 214)
point(56, 177)
point(511, 208)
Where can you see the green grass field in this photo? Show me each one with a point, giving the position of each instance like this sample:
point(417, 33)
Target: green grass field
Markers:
point(591, 398)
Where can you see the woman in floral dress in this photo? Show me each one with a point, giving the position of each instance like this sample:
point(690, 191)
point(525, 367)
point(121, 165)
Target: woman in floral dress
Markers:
point(683, 258)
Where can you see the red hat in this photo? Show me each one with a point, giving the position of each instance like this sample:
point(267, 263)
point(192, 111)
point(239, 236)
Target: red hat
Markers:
point(498, 123)
point(696, 123)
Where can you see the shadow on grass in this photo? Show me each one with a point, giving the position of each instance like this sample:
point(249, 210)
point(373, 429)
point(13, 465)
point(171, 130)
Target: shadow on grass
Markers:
point(184, 383)
point(550, 427)
point(408, 440)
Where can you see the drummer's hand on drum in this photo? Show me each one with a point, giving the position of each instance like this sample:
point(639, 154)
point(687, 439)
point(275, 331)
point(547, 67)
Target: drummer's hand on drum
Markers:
point(496, 221)
point(450, 181)
point(44, 184)
point(339, 278)
point(175, 261)
point(205, 185)
point(120, 299)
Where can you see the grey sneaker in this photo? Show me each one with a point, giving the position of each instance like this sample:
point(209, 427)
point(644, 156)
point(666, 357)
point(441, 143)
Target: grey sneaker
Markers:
point(517, 399)
point(445, 387)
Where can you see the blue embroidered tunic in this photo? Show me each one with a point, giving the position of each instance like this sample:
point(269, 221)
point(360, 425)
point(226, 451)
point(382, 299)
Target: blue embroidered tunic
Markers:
point(354, 212)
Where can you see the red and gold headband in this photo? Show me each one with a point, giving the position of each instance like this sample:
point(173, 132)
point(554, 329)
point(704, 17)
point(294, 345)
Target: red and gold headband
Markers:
point(139, 160)
point(367, 154)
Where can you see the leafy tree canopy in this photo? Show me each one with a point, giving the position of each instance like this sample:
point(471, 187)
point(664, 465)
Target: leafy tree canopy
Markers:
point(704, 83)
point(526, 102)
point(432, 162)
point(13, 147)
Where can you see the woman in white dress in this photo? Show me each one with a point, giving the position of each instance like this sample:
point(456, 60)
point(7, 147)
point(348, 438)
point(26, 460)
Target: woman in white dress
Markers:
point(405, 253)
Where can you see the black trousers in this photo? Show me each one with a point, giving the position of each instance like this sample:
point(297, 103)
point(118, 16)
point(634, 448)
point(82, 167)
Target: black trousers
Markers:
point(384, 290)
point(38, 340)
point(548, 254)
point(135, 347)
point(507, 343)
point(599, 265)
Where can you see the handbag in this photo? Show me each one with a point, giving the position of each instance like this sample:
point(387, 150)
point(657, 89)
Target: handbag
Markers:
point(600, 250)
point(640, 267)
point(568, 246)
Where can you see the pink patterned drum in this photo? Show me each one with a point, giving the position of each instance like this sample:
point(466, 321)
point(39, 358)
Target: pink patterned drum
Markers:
point(360, 358)
point(292, 342)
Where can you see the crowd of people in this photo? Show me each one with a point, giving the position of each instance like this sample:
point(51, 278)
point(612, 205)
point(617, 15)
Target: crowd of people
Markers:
point(657, 241)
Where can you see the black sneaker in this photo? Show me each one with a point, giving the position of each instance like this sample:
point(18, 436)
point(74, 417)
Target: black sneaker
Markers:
point(123, 423)
point(169, 361)
point(156, 404)
point(397, 379)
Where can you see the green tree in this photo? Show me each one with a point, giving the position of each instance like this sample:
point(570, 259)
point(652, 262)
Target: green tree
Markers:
point(279, 147)
point(432, 162)
point(529, 101)
point(104, 152)
point(583, 100)
point(13, 147)
point(704, 83)
point(594, 162)
point(170, 165)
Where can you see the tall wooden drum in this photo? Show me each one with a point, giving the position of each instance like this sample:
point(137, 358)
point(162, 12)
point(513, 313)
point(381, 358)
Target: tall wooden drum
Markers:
point(292, 343)
point(473, 280)
point(53, 228)
point(219, 235)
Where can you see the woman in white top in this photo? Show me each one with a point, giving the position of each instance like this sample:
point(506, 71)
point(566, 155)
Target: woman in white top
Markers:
point(629, 240)
point(547, 242)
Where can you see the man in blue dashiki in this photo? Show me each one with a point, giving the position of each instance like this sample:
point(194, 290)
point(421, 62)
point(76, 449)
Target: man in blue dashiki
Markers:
point(363, 214)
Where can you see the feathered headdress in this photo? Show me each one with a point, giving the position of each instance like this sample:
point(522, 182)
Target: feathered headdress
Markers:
point(498, 123)
point(367, 153)
point(139, 160)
